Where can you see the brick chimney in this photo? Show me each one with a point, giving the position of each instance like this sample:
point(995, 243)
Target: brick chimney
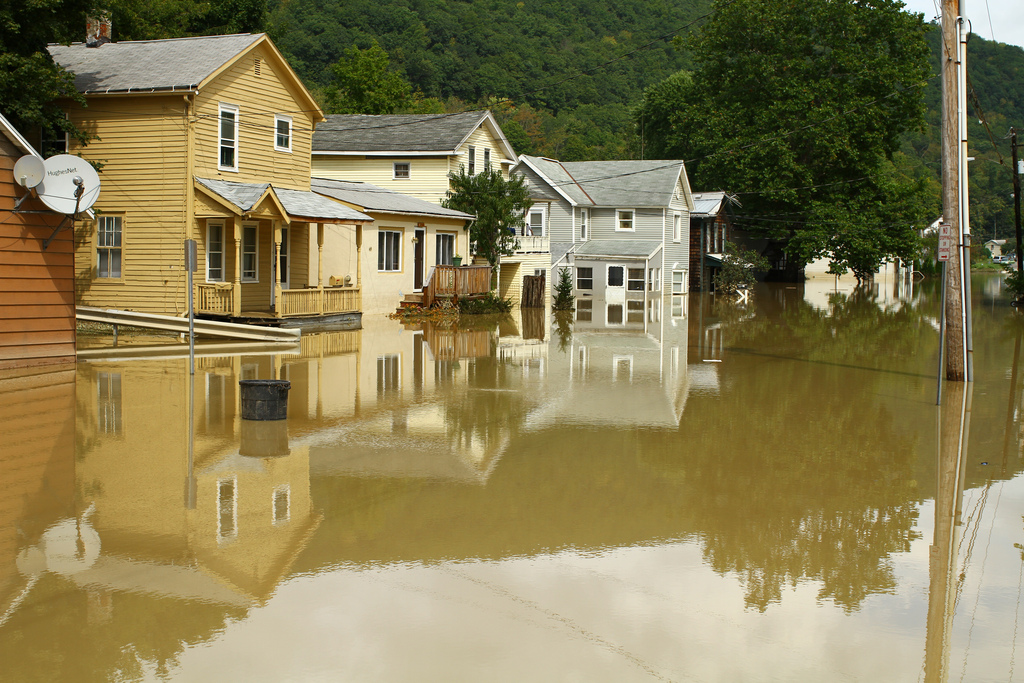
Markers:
point(98, 30)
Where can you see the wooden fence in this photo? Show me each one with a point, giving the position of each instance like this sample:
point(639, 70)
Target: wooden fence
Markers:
point(456, 282)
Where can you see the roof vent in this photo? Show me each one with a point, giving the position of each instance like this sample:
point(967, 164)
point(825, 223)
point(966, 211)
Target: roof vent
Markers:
point(98, 30)
point(257, 64)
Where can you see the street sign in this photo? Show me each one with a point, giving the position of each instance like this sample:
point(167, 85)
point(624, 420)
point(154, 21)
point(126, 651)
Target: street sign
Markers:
point(945, 248)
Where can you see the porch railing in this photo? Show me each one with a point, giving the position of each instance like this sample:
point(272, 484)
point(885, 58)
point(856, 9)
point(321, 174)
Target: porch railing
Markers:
point(456, 282)
point(214, 298)
point(533, 244)
point(298, 302)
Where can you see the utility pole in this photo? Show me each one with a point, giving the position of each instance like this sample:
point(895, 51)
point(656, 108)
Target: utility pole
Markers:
point(957, 269)
point(1016, 199)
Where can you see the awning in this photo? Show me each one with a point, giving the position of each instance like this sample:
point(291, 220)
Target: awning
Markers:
point(713, 260)
point(299, 205)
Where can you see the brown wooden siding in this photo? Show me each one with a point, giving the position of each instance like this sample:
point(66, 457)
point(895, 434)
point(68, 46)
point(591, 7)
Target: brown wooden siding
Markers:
point(37, 315)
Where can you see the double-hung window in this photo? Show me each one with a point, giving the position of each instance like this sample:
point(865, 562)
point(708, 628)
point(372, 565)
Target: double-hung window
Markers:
point(472, 161)
point(108, 246)
point(677, 282)
point(401, 170)
point(677, 227)
point(250, 253)
point(487, 159)
point(445, 248)
point(282, 133)
point(584, 278)
point(635, 279)
point(535, 222)
point(584, 223)
point(389, 250)
point(214, 252)
point(624, 219)
point(228, 160)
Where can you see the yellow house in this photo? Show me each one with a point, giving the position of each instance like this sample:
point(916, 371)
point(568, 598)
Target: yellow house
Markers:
point(415, 154)
point(409, 238)
point(208, 139)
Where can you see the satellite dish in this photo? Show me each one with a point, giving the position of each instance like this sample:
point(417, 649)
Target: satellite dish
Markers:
point(29, 170)
point(70, 184)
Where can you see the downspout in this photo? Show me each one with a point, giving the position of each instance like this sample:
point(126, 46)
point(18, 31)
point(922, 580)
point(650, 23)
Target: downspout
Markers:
point(190, 193)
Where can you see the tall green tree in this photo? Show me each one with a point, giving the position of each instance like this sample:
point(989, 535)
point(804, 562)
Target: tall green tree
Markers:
point(798, 106)
point(365, 84)
point(30, 81)
point(499, 205)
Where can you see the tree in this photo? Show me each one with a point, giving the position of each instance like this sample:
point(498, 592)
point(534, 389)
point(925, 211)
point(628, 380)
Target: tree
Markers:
point(564, 299)
point(739, 269)
point(30, 82)
point(499, 205)
point(799, 107)
point(365, 84)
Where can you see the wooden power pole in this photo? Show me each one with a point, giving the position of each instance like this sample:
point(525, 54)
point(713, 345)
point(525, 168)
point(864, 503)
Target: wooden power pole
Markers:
point(956, 270)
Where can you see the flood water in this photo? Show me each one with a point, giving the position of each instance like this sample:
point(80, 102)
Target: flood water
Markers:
point(676, 490)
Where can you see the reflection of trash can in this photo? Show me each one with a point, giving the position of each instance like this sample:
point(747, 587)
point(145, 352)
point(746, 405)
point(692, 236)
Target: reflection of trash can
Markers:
point(264, 399)
point(262, 438)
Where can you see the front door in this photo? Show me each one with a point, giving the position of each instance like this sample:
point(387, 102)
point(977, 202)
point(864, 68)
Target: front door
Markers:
point(418, 260)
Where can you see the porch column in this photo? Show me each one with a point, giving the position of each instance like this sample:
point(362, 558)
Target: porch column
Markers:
point(236, 281)
point(319, 255)
point(276, 303)
point(359, 263)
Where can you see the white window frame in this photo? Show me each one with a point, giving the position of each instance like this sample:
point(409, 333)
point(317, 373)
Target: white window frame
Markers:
point(487, 159)
point(630, 280)
point(677, 227)
point(590, 277)
point(255, 276)
point(221, 109)
point(383, 253)
point(471, 164)
point(608, 273)
point(386, 364)
point(619, 220)
point(405, 174)
point(440, 252)
point(278, 120)
point(285, 254)
point(528, 228)
point(102, 245)
point(584, 224)
point(210, 226)
point(680, 286)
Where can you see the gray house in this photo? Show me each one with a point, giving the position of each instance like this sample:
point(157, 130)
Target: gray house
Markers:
point(622, 226)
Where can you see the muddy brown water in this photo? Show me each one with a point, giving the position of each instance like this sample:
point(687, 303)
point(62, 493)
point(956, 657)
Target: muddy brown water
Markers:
point(675, 490)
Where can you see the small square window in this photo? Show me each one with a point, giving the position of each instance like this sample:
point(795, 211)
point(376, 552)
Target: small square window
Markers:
point(584, 278)
point(624, 219)
point(402, 170)
point(635, 281)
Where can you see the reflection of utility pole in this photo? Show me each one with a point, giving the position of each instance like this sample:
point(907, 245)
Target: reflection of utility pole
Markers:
point(954, 425)
point(1016, 203)
point(1012, 403)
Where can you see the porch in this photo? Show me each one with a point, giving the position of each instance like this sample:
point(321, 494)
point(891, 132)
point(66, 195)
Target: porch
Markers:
point(455, 282)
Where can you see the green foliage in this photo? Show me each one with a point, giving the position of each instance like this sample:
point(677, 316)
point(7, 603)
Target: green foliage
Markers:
point(157, 19)
point(30, 81)
point(1015, 284)
point(739, 269)
point(799, 108)
point(490, 303)
point(364, 84)
point(564, 299)
point(499, 206)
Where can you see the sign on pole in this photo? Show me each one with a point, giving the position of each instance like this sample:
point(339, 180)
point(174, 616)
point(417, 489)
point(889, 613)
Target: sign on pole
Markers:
point(946, 242)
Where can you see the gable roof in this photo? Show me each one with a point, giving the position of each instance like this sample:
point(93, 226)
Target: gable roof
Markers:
point(707, 203)
point(393, 134)
point(373, 198)
point(16, 138)
point(150, 65)
point(611, 183)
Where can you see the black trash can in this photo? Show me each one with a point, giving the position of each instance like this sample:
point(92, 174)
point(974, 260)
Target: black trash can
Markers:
point(264, 399)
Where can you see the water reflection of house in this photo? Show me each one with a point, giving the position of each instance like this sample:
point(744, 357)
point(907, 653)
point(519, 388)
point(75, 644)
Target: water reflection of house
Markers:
point(173, 518)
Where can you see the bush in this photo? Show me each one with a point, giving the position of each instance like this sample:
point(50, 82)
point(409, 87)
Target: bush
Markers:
point(491, 303)
point(564, 299)
point(739, 269)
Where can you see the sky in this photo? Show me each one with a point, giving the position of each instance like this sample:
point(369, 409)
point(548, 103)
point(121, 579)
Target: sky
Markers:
point(1007, 17)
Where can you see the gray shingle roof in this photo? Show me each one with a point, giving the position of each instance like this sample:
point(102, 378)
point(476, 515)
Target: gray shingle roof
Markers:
point(149, 65)
point(633, 249)
point(297, 203)
point(707, 203)
point(613, 183)
point(373, 198)
point(441, 133)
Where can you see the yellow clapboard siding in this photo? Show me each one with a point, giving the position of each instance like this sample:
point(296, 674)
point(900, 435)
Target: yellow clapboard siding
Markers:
point(428, 176)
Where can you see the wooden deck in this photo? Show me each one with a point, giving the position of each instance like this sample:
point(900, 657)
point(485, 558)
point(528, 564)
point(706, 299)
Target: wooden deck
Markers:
point(456, 282)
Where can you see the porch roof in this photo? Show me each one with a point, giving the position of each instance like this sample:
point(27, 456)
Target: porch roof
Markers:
point(626, 249)
point(374, 198)
point(301, 205)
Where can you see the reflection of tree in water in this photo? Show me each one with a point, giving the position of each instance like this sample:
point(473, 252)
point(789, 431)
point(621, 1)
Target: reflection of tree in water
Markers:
point(800, 470)
point(493, 405)
point(100, 636)
point(563, 329)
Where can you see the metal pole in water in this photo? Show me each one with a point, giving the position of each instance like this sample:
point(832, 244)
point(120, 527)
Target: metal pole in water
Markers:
point(942, 338)
point(190, 267)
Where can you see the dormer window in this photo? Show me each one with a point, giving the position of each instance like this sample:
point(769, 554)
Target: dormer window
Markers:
point(228, 159)
point(401, 170)
point(282, 133)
